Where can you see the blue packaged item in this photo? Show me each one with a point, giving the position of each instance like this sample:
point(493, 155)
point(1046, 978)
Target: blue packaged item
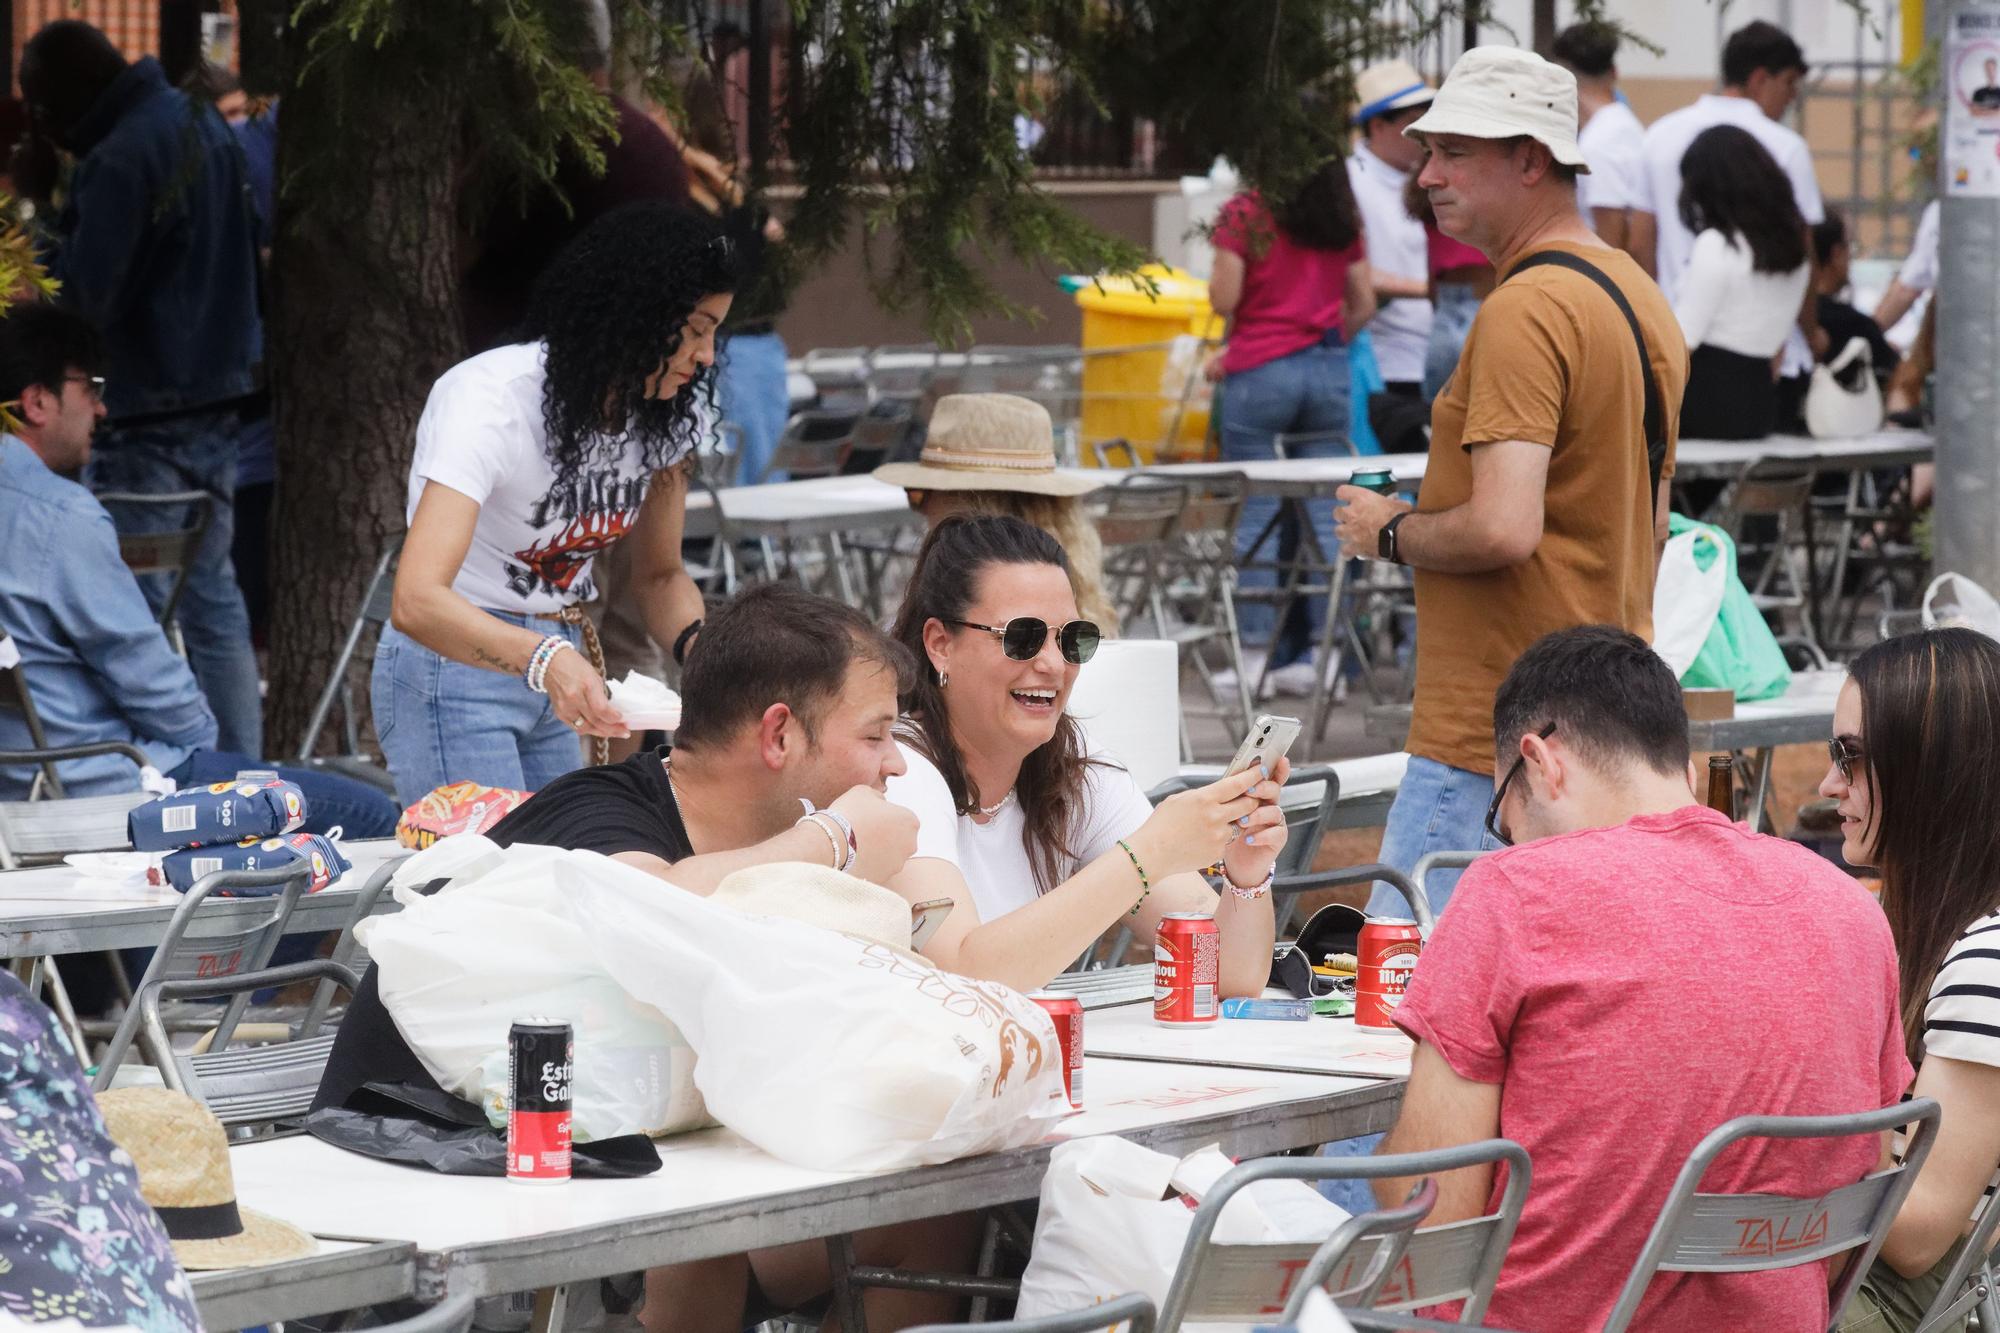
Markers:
point(1284, 1010)
point(185, 867)
point(222, 812)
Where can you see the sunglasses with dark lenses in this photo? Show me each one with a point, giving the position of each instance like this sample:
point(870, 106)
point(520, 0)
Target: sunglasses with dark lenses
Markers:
point(1023, 636)
point(1500, 792)
point(1845, 754)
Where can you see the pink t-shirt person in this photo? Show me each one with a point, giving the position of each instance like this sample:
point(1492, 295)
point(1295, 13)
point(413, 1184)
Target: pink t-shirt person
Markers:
point(1447, 253)
point(1292, 294)
point(1631, 989)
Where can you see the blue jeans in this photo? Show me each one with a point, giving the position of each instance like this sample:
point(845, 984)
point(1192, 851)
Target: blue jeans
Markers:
point(441, 721)
point(194, 453)
point(1456, 305)
point(1437, 809)
point(356, 808)
point(750, 384)
point(1306, 391)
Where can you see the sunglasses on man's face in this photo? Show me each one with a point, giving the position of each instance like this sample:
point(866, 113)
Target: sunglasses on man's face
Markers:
point(1023, 636)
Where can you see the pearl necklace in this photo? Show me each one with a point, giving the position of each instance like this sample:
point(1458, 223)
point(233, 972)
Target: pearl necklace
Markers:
point(988, 811)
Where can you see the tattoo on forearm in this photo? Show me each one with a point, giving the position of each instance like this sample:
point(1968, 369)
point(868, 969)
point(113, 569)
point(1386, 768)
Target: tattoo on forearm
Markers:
point(486, 659)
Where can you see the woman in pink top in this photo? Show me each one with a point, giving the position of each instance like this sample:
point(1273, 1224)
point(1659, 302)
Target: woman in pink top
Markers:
point(1294, 285)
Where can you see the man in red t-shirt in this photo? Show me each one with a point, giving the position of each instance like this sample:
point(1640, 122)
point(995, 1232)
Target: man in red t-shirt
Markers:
point(1638, 971)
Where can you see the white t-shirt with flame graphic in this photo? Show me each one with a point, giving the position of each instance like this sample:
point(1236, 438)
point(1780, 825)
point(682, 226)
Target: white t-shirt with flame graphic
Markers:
point(482, 435)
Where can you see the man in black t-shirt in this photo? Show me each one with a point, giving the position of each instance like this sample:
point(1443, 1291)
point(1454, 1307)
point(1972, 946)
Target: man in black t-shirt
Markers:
point(786, 698)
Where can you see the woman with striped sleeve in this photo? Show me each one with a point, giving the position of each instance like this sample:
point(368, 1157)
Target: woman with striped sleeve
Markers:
point(1915, 748)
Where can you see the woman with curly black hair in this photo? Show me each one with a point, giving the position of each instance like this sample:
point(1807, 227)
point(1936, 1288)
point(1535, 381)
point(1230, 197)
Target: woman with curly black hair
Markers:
point(531, 459)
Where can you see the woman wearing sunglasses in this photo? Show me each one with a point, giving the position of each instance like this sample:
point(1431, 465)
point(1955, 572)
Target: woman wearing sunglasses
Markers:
point(1915, 746)
point(1051, 845)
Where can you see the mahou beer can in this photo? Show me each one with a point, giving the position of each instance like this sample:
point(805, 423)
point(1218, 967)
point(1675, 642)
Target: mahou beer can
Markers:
point(1066, 1012)
point(1187, 964)
point(539, 1064)
point(1388, 955)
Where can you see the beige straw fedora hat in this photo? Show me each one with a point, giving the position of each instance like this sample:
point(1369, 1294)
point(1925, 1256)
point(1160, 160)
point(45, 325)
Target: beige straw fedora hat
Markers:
point(820, 896)
point(183, 1159)
point(1389, 86)
point(987, 442)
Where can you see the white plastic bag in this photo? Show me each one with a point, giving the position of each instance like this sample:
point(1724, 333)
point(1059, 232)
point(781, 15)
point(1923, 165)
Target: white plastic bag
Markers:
point(493, 945)
point(1115, 1216)
point(1955, 600)
point(1687, 598)
point(822, 1049)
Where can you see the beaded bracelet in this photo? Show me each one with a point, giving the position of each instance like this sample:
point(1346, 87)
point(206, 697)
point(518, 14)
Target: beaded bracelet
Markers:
point(840, 853)
point(1145, 885)
point(538, 665)
point(1251, 895)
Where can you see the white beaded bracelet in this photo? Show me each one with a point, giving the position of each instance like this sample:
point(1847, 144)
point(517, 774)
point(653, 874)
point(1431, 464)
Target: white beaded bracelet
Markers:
point(1251, 895)
point(538, 665)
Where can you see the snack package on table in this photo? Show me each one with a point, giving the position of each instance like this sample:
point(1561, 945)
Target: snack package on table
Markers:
point(456, 807)
point(184, 868)
point(222, 812)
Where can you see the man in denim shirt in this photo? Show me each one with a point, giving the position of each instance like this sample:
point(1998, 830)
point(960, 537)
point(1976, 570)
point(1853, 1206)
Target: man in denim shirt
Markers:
point(155, 246)
point(96, 661)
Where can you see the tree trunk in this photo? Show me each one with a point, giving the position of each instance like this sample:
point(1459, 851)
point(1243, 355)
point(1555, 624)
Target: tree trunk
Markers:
point(364, 319)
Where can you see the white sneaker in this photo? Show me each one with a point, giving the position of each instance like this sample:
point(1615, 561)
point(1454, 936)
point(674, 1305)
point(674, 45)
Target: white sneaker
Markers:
point(1297, 679)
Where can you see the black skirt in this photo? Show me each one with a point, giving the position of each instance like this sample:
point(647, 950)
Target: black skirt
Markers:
point(1730, 396)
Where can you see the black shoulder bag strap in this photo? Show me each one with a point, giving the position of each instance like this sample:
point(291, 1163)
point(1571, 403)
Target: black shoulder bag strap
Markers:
point(1656, 422)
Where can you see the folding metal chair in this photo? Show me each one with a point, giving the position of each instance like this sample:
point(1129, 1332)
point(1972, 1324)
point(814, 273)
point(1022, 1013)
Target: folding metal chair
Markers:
point(170, 552)
point(1968, 1284)
point(1313, 881)
point(247, 1087)
point(813, 444)
point(902, 372)
point(1200, 570)
point(348, 950)
point(1137, 522)
point(193, 949)
point(1455, 1261)
point(1754, 1233)
point(841, 374)
point(1133, 1310)
point(1767, 512)
point(14, 698)
point(376, 602)
point(1118, 453)
point(1246, 1284)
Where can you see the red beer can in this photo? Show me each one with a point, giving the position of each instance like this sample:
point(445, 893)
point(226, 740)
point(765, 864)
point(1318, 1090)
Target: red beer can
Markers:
point(1066, 1012)
point(540, 1060)
point(1187, 965)
point(1387, 956)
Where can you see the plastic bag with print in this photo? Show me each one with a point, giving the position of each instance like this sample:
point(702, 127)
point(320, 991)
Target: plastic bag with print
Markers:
point(821, 1048)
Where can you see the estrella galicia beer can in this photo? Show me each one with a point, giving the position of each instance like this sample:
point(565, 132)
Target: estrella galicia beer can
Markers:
point(1379, 480)
point(1066, 1012)
point(540, 1056)
point(1187, 968)
point(1387, 957)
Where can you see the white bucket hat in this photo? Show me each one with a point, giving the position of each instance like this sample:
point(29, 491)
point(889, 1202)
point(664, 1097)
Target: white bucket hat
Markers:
point(1498, 92)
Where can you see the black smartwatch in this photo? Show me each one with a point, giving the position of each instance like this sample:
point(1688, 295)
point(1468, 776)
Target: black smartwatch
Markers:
point(1385, 542)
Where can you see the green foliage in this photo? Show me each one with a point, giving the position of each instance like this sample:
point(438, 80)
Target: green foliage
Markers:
point(526, 103)
point(22, 278)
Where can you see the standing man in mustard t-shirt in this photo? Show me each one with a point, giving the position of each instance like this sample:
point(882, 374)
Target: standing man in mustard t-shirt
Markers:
point(1541, 507)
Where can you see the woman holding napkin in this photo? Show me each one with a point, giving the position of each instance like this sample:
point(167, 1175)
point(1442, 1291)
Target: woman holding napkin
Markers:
point(531, 459)
point(1045, 845)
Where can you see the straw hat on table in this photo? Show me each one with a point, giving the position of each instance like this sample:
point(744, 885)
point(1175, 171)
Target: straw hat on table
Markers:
point(182, 1155)
point(821, 896)
point(988, 442)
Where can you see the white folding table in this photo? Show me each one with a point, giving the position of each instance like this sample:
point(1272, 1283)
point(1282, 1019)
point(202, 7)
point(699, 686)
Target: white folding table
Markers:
point(58, 909)
point(716, 1194)
point(1319, 1045)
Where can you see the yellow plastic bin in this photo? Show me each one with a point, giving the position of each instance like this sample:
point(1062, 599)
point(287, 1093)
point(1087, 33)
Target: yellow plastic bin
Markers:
point(1142, 362)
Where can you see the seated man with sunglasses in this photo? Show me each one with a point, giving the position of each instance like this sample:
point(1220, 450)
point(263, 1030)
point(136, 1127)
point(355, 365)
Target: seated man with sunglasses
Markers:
point(1633, 974)
point(1045, 844)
